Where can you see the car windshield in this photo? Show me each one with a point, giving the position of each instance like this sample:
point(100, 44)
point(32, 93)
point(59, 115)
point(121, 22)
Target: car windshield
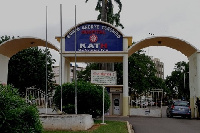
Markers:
point(181, 103)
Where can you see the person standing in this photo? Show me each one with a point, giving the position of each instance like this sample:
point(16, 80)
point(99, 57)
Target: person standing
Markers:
point(198, 106)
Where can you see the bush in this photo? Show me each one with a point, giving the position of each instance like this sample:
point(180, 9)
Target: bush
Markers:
point(89, 98)
point(16, 116)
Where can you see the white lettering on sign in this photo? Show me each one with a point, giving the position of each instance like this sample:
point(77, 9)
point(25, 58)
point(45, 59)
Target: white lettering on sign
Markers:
point(103, 77)
point(93, 47)
point(116, 33)
point(72, 32)
point(96, 29)
point(90, 27)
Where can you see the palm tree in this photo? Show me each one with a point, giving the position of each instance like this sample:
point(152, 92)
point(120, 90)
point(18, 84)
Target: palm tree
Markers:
point(106, 13)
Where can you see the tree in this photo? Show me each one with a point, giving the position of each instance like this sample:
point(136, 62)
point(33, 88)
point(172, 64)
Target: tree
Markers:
point(141, 73)
point(16, 116)
point(85, 75)
point(89, 98)
point(5, 38)
point(106, 13)
point(28, 69)
point(178, 83)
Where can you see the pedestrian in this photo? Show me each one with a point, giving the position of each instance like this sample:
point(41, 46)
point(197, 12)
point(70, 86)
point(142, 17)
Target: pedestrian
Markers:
point(198, 106)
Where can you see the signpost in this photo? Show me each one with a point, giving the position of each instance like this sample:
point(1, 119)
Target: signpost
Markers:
point(103, 77)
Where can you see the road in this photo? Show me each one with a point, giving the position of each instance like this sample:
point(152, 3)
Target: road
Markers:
point(161, 125)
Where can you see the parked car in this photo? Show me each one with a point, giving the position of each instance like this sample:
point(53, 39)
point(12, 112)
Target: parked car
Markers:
point(179, 108)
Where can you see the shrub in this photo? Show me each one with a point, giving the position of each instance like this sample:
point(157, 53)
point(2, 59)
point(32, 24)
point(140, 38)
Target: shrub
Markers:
point(16, 116)
point(89, 98)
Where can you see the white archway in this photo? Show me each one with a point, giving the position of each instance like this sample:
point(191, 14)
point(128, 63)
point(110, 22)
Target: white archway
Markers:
point(11, 47)
point(185, 48)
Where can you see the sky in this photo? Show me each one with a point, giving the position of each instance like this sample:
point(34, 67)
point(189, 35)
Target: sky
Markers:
point(174, 18)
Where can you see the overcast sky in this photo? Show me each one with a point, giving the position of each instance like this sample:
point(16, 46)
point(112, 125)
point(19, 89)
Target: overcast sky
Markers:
point(177, 18)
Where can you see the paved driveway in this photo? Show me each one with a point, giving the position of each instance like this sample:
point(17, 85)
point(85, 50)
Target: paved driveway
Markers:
point(161, 125)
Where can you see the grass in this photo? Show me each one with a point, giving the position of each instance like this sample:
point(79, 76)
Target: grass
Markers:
point(109, 127)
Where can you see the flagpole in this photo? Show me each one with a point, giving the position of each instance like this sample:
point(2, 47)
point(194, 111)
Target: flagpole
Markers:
point(61, 55)
point(75, 68)
point(46, 61)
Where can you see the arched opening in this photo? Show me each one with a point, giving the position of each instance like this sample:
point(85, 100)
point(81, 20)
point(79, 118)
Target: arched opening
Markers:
point(11, 47)
point(185, 48)
point(175, 43)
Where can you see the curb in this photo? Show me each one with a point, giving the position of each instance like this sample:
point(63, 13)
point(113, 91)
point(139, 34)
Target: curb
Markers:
point(129, 127)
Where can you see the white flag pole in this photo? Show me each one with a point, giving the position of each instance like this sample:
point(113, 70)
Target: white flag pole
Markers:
point(103, 106)
point(75, 68)
point(46, 62)
point(61, 55)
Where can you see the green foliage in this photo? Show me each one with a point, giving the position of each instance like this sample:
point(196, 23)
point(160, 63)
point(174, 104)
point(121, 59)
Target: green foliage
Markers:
point(5, 38)
point(16, 116)
point(28, 68)
point(112, 18)
point(141, 73)
point(86, 74)
point(178, 83)
point(89, 98)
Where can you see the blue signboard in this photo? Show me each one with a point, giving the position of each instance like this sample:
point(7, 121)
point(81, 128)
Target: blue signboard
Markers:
point(94, 37)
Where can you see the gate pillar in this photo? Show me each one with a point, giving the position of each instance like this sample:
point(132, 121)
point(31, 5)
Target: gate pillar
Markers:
point(125, 86)
point(194, 81)
point(4, 68)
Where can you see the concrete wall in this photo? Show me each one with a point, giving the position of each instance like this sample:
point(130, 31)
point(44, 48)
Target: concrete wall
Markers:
point(67, 122)
point(4, 68)
point(153, 112)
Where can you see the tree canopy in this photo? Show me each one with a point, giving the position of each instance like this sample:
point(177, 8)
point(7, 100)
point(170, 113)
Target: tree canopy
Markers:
point(28, 69)
point(141, 73)
point(178, 83)
point(106, 12)
point(89, 98)
point(16, 116)
point(5, 38)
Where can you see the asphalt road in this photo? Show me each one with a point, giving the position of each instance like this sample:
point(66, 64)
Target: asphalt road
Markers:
point(161, 125)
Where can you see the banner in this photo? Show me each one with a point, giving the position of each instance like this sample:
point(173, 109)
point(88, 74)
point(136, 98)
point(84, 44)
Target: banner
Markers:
point(103, 77)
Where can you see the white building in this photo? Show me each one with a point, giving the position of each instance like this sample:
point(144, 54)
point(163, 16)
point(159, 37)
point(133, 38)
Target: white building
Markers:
point(57, 73)
point(159, 66)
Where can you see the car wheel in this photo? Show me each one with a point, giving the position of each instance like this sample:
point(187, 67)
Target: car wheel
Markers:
point(170, 116)
point(183, 117)
point(167, 115)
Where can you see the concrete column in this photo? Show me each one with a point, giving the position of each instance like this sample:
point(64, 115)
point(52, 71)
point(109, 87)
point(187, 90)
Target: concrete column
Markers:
point(125, 85)
point(4, 69)
point(125, 44)
point(65, 65)
point(111, 104)
point(67, 70)
point(194, 81)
